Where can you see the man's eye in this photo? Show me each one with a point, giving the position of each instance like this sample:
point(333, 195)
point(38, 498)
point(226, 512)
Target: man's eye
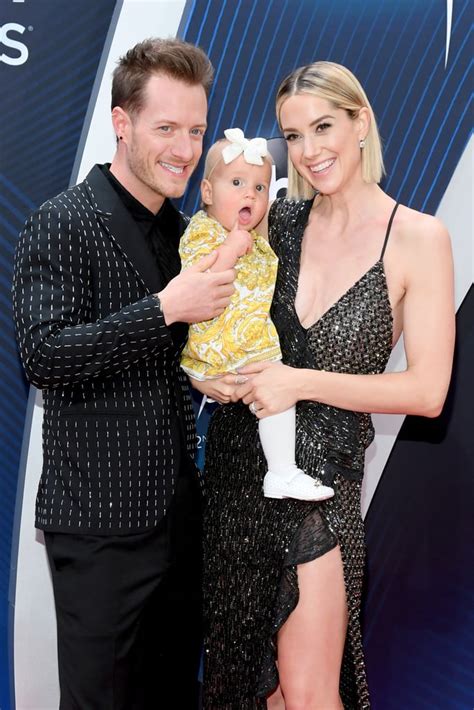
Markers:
point(164, 129)
point(197, 131)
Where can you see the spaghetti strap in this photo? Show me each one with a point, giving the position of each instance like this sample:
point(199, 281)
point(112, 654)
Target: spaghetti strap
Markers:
point(389, 227)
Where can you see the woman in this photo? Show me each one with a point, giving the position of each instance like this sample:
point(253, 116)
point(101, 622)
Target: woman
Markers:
point(284, 577)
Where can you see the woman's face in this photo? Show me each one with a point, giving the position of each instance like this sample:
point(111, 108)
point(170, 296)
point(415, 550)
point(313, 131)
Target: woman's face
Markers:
point(323, 142)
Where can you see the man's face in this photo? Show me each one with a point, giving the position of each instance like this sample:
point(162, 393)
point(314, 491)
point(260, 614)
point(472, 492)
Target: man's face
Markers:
point(164, 139)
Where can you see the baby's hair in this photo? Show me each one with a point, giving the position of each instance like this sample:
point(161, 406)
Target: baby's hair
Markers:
point(214, 156)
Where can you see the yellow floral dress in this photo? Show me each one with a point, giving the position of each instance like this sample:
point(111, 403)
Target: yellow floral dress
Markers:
point(244, 333)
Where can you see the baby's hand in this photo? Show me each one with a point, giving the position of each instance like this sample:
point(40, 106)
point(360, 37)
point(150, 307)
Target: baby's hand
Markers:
point(240, 240)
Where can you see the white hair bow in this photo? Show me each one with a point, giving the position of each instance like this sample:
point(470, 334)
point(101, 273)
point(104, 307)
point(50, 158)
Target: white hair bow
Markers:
point(254, 150)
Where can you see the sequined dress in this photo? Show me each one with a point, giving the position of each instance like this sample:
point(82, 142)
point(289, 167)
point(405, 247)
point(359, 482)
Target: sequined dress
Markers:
point(252, 543)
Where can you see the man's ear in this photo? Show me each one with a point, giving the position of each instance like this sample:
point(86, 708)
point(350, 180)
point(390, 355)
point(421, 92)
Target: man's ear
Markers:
point(121, 122)
point(206, 192)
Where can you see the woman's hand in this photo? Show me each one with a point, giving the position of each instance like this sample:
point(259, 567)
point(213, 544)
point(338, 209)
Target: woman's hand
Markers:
point(272, 387)
point(223, 389)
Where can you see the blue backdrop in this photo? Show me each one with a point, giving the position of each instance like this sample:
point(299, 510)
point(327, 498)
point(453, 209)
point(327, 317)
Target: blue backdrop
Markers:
point(44, 103)
point(413, 62)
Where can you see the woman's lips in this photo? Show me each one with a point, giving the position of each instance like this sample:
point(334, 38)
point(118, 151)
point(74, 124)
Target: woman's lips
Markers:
point(323, 167)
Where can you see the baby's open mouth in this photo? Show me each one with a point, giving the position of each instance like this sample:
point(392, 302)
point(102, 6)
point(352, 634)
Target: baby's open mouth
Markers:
point(244, 215)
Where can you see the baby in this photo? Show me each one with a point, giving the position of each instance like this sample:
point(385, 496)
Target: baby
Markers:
point(235, 193)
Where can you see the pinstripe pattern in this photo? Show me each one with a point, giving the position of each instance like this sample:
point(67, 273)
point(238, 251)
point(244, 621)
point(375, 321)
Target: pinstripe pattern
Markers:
point(94, 339)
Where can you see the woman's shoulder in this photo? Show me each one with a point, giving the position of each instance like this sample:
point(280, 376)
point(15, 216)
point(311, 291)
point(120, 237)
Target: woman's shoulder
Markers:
point(284, 208)
point(419, 247)
point(284, 215)
point(419, 231)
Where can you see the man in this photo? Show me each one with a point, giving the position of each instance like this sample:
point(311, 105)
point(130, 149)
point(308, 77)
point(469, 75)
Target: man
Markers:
point(101, 310)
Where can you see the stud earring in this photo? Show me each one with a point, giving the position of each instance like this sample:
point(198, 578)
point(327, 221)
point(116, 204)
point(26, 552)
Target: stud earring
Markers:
point(362, 143)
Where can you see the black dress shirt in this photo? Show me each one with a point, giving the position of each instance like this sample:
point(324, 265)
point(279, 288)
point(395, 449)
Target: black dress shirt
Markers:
point(161, 232)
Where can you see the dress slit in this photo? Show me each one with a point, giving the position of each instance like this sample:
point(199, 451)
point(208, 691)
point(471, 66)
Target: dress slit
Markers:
point(312, 540)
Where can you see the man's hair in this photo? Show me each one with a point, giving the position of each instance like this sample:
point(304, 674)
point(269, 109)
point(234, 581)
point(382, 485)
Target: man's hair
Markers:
point(171, 57)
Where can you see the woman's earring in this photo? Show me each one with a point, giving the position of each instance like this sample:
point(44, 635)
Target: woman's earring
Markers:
point(362, 143)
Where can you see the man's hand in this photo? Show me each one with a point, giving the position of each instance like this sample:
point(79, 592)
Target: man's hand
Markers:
point(196, 294)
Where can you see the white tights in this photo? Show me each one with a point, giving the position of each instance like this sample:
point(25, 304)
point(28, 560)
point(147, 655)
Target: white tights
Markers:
point(278, 436)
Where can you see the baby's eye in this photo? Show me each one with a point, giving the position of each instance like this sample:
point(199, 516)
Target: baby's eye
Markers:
point(260, 188)
point(237, 182)
point(321, 127)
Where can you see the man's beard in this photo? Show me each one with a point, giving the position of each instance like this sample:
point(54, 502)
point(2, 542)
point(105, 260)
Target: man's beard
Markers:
point(141, 171)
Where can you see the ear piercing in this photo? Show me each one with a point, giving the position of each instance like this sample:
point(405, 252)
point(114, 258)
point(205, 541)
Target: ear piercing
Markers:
point(362, 143)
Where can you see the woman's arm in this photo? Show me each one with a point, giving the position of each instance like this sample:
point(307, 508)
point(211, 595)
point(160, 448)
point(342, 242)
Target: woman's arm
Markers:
point(428, 327)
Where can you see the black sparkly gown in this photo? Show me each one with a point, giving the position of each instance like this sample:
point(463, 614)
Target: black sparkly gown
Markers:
point(252, 543)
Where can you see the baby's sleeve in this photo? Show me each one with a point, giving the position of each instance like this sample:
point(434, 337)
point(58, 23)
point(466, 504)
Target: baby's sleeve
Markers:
point(197, 241)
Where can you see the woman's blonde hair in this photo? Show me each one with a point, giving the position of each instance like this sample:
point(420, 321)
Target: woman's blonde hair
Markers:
point(338, 85)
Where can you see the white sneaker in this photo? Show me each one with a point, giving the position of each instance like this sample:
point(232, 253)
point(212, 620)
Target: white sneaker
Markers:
point(301, 487)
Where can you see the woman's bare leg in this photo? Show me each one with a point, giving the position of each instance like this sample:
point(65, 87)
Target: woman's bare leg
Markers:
point(275, 701)
point(311, 642)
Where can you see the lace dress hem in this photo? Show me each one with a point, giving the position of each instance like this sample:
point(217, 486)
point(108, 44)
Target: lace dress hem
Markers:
point(302, 549)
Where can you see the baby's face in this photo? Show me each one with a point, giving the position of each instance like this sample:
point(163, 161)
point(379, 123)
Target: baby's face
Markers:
point(237, 192)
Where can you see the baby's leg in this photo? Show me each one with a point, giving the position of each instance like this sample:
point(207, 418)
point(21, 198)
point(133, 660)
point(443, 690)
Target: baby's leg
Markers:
point(277, 436)
point(284, 479)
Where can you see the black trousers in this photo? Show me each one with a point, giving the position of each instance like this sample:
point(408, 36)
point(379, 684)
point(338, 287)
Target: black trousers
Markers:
point(128, 612)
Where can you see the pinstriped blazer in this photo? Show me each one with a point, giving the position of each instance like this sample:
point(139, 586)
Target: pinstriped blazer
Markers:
point(94, 339)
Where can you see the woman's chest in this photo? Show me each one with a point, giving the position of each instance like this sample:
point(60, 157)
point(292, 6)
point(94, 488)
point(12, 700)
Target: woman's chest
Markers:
point(326, 271)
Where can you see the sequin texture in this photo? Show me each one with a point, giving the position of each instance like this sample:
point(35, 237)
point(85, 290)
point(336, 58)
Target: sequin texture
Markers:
point(253, 544)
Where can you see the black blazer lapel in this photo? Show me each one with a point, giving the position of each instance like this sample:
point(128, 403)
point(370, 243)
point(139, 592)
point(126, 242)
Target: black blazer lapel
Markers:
point(122, 230)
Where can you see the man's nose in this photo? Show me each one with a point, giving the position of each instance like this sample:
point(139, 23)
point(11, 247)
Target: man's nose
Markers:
point(182, 147)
